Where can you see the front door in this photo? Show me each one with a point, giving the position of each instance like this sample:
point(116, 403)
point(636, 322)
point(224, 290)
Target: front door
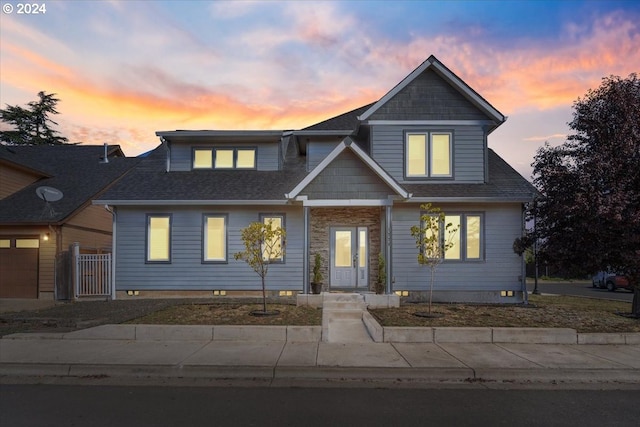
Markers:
point(349, 257)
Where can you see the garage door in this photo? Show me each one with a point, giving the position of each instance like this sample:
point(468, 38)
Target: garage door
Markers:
point(19, 267)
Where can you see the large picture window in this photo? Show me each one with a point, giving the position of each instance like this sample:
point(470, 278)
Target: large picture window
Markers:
point(428, 154)
point(159, 238)
point(466, 242)
point(214, 241)
point(276, 220)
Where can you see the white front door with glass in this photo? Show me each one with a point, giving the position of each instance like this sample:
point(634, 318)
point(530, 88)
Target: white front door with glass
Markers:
point(349, 257)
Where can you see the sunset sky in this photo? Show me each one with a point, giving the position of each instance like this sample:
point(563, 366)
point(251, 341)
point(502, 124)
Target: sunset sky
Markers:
point(125, 69)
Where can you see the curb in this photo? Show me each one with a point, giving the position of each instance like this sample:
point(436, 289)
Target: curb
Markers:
point(309, 376)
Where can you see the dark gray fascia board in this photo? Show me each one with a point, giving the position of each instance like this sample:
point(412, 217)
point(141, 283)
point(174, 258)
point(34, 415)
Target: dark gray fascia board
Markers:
point(188, 202)
point(323, 132)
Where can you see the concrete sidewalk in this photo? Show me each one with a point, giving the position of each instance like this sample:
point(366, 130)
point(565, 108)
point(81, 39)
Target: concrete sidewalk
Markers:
point(285, 355)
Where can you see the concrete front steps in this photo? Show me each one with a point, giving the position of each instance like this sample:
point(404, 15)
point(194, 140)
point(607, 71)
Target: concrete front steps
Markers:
point(342, 318)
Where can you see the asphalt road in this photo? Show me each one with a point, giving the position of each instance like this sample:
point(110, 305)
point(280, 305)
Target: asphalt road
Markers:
point(579, 288)
point(49, 405)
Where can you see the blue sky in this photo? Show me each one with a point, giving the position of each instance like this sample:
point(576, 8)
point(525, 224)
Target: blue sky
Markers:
point(125, 69)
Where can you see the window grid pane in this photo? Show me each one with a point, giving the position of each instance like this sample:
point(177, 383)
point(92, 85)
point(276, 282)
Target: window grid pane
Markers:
point(5, 243)
point(215, 239)
point(440, 155)
point(202, 159)
point(473, 237)
point(246, 159)
point(276, 243)
point(158, 235)
point(452, 237)
point(27, 243)
point(416, 155)
point(224, 159)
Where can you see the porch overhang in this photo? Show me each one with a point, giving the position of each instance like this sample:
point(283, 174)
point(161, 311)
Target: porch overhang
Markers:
point(347, 143)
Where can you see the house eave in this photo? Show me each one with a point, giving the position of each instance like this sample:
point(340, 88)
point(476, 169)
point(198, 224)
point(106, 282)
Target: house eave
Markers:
point(189, 202)
point(471, 199)
point(323, 132)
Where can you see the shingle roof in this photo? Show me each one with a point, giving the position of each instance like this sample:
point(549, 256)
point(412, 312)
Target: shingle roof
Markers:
point(76, 170)
point(150, 182)
point(504, 183)
point(345, 121)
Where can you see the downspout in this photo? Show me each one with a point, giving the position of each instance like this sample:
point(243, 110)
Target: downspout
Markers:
point(112, 211)
point(525, 294)
point(305, 257)
point(388, 254)
point(57, 232)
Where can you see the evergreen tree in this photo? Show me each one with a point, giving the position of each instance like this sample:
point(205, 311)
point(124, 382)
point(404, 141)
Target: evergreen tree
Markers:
point(32, 125)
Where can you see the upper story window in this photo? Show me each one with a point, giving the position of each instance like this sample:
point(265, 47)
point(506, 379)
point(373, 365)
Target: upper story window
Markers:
point(428, 154)
point(224, 158)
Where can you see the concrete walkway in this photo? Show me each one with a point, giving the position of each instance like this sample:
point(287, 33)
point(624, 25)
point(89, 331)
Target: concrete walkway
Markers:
point(286, 355)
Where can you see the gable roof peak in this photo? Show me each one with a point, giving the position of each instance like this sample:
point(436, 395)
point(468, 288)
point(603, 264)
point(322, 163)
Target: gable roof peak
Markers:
point(451, 78)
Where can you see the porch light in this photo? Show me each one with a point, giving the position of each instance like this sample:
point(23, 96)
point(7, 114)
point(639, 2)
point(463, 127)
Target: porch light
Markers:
point(45, 237)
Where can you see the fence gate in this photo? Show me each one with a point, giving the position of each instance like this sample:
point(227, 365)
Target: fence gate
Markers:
point(92, 275)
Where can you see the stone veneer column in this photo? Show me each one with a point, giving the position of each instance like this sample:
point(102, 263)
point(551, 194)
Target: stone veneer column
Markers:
point(322, 219)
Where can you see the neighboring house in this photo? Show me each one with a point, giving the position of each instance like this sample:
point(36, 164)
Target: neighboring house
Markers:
point(34, 231)
point(348, 188)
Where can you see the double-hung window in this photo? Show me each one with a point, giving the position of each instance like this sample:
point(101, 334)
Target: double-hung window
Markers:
point(158, 238)
point(428, 154)
point(465, 244)
point(214, 239)
point(273, 250)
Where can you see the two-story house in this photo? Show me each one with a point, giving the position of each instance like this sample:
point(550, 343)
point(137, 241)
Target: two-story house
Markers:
point(348, 188)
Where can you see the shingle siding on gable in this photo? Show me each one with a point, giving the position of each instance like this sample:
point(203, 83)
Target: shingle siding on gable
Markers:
point(318, 150)
point(468, 157)
point(428, 97)
point(347, 177)
point(267, 154)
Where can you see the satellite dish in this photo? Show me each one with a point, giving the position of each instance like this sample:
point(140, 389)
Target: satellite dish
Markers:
point(49, 194)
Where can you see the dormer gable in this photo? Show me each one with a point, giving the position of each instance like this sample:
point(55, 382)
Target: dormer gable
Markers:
point(432, 92)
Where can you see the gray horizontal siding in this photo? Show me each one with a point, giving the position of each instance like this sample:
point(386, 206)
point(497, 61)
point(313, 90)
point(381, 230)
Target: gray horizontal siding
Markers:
point(468, 157)
point(500, 270)
point(186, 271)
point(267, 154)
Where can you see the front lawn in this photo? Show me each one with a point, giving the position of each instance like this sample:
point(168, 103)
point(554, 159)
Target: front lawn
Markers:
point(544, 311)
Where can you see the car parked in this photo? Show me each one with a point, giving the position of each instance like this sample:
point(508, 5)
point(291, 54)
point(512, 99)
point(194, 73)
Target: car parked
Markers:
point(611, 281)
